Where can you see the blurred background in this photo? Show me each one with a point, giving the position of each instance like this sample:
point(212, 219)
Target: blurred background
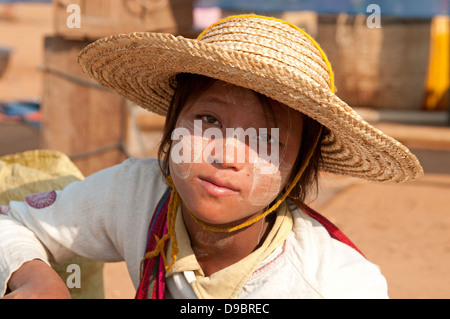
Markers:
point(392, 64)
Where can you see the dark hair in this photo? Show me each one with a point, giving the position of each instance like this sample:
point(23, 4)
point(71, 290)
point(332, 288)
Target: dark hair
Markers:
point(191, 85)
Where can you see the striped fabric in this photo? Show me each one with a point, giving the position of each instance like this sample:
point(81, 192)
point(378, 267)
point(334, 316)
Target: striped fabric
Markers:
point(152, 285)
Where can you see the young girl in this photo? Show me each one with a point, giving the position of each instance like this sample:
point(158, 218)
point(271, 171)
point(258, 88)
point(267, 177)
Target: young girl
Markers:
point(251, 118)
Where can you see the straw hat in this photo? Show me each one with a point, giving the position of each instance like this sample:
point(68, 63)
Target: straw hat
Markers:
point(267, 55)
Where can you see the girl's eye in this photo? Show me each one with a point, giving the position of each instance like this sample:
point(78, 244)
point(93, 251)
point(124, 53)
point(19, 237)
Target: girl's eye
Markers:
point(210, 119)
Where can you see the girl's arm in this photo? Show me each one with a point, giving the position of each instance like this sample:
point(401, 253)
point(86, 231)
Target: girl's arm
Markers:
point(104, 217)
point(36, 280)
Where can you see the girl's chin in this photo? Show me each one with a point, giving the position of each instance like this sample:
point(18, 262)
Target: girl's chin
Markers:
point(218, 219)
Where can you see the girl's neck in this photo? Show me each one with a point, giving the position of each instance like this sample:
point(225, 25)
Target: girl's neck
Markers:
point(215, 250)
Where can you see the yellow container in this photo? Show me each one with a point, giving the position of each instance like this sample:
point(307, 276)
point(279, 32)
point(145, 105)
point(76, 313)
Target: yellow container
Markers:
point(438, 78)
point(36, 171)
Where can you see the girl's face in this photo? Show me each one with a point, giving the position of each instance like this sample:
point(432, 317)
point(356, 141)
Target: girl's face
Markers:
point(226, 163)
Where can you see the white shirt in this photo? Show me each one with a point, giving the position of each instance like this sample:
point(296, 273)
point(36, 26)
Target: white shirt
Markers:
point(106, 217)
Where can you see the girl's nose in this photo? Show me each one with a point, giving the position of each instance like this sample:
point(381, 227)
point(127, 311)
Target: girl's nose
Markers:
point(228, 154)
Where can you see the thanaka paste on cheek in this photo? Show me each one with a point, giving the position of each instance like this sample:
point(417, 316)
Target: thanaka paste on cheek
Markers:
point(268, 182)
point(181, 169)
point(269, 178)
point(181, 164)
point(180, 152)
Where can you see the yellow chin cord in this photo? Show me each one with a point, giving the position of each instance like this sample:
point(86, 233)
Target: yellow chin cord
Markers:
point(175, 200)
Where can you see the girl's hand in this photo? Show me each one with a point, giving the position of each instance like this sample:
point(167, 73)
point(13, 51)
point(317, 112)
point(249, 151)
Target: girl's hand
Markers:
point(36, 280)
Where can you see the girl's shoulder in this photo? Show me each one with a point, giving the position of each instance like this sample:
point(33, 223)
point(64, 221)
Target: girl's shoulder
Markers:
point(124, 183)
point(150, 165)
point(134, 170)
point(333, 265)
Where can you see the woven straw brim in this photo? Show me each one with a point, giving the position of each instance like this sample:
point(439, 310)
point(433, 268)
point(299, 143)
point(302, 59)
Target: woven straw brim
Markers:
point(142, 68)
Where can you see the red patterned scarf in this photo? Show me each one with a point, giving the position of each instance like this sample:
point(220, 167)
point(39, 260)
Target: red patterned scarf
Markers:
point(153, 284)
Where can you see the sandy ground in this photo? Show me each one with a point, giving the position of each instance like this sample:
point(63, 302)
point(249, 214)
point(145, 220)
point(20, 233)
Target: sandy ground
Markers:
point(404, 229)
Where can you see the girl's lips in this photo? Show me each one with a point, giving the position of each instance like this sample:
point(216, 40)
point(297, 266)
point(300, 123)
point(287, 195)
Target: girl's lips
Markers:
point(217, 188)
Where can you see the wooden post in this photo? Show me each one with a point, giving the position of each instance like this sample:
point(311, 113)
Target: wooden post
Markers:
point(80, 118)
point(100, 18)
